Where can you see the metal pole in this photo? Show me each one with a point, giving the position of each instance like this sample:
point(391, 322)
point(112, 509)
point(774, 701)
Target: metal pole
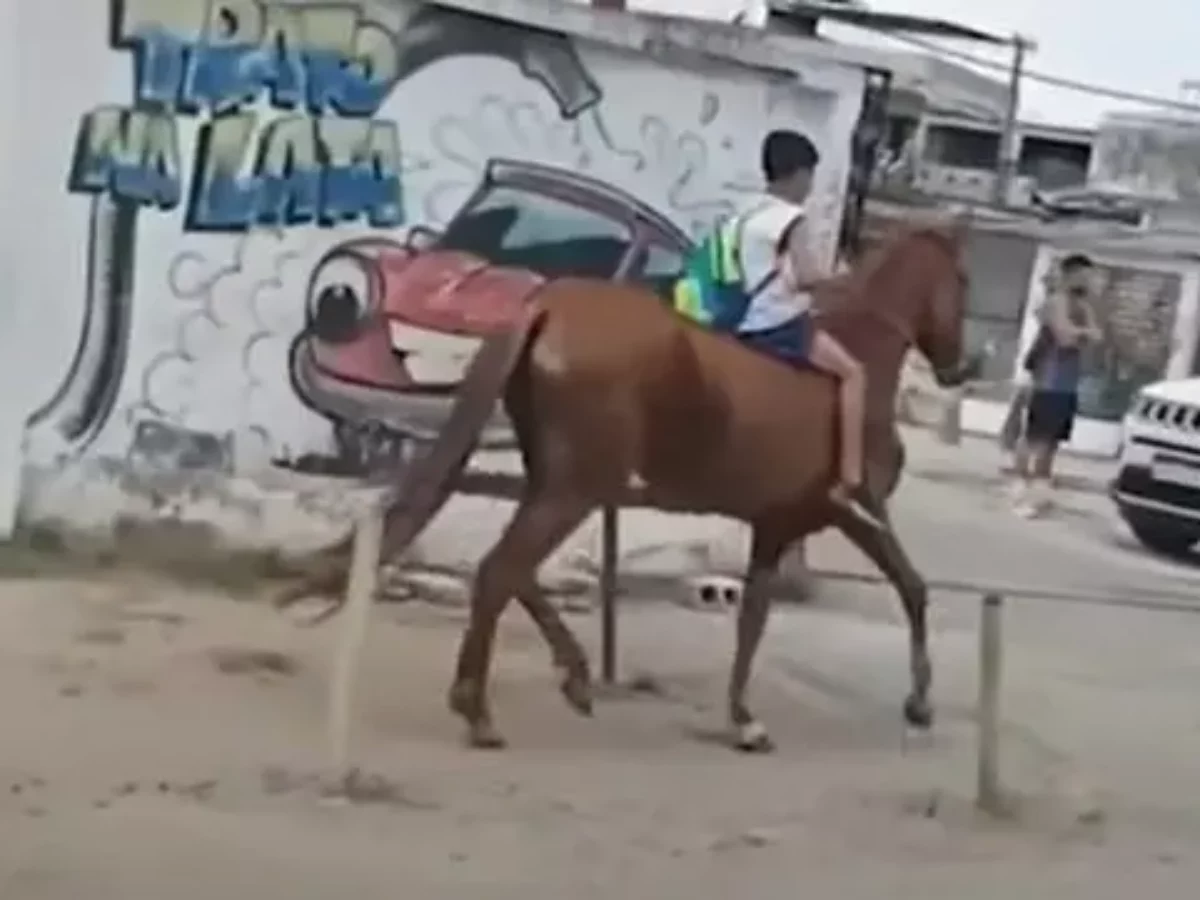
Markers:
point(609, 550)
point(1006, 164)
point(988, 795)
point(360, 594)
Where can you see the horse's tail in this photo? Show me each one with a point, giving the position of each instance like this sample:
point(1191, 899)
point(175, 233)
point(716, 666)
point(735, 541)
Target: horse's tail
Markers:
point(429, 482)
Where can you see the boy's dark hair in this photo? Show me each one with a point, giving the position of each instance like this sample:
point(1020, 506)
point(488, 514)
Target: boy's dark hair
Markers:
point(1076, 261)
point(784, 153)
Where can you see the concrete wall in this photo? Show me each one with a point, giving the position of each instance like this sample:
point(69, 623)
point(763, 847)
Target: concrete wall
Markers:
point(191, 303)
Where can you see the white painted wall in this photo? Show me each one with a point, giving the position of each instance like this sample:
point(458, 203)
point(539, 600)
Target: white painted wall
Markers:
point(214, 314)
point(11, 413)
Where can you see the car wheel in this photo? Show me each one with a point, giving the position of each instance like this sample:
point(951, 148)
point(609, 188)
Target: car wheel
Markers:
point(1164, 536)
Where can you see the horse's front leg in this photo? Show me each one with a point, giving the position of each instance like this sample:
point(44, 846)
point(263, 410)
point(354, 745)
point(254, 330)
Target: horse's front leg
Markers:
point(749, 735)
point(883, 549)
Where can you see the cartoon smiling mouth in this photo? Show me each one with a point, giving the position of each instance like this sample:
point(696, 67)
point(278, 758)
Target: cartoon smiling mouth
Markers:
point(433, 360)
point(391, 331)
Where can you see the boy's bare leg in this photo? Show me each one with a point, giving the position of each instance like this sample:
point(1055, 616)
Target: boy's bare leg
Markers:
point(852, 396)
point(829, 355)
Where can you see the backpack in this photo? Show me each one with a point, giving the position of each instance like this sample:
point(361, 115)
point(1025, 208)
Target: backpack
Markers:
point(712, 290)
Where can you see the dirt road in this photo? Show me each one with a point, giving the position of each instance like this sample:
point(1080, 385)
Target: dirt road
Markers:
point(165, 744)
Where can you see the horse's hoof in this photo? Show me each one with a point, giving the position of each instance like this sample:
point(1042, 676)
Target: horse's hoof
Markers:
point(577, 689)
point(484, 736)
point(752, 738)
point(918, 713)
point(463, 699)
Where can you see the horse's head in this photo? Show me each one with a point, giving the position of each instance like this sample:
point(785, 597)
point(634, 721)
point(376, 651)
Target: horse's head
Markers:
point(921, 281)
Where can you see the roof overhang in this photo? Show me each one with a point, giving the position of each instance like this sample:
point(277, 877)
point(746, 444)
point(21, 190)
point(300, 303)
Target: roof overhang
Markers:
point(852, 13)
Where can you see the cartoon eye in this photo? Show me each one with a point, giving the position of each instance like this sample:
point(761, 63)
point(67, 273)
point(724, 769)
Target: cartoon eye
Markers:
point(340, 296)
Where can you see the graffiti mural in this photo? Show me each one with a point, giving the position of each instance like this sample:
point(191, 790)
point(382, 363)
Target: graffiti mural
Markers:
point(328, 163)
point(391, 327)
point(303, 217)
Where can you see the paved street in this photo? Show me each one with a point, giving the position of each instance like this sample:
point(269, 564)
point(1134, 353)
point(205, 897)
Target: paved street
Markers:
point(953, 513)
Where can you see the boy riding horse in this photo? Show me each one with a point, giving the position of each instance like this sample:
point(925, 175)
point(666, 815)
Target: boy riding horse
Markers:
point(752, 277)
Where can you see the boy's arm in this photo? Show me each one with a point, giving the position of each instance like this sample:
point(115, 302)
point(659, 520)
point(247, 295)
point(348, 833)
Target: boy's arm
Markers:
point(800, 269)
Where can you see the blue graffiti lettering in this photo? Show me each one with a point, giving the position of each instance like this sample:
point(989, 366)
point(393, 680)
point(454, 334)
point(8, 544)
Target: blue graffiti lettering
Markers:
point(129, 153)
point(220, 79)
point(333, 165)
point(323, 171)
point(196, 73)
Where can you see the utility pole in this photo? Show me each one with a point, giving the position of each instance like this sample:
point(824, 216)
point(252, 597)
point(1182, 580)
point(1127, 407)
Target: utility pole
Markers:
point(1006, 164)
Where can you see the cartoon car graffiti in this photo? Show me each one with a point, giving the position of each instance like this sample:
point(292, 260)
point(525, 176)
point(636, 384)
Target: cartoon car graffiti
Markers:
point(83, 404)
point(391, 326)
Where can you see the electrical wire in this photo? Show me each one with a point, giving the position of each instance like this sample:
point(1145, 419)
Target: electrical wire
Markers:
point(1070, 84)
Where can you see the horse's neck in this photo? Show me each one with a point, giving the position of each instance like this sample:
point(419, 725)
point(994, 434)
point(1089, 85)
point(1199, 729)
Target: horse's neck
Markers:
point(874, 341)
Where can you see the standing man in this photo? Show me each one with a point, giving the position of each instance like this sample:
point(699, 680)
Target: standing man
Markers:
point(1055, 363)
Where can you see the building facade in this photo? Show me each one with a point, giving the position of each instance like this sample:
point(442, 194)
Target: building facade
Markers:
point(229, 221)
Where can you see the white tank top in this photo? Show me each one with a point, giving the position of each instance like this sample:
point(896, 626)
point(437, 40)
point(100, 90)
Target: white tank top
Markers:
point(766, 223)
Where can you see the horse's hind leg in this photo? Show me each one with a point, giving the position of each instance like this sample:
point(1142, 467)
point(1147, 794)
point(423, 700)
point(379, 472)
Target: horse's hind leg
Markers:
point(542, 521)
point(885, 550)
point(767, 545)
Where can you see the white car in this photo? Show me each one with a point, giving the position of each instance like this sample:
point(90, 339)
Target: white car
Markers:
point(1157, 488)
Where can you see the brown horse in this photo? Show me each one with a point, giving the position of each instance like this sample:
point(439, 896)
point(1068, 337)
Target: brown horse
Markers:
point(616, 400)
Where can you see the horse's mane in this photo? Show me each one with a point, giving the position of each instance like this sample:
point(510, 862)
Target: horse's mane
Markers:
point(878, 262)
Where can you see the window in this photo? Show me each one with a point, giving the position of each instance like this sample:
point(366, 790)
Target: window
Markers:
point(660, 269)
point(1054, 164)
point(964, 148)
point(520, 228)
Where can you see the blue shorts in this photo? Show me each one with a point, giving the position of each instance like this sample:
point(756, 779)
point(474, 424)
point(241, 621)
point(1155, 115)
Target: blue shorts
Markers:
point(788, 341)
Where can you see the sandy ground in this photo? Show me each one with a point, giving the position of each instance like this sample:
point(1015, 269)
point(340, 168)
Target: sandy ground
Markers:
point(160, 743)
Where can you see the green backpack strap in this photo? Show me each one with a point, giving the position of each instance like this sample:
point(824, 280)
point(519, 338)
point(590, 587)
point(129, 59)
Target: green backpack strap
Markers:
point(762, 284)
